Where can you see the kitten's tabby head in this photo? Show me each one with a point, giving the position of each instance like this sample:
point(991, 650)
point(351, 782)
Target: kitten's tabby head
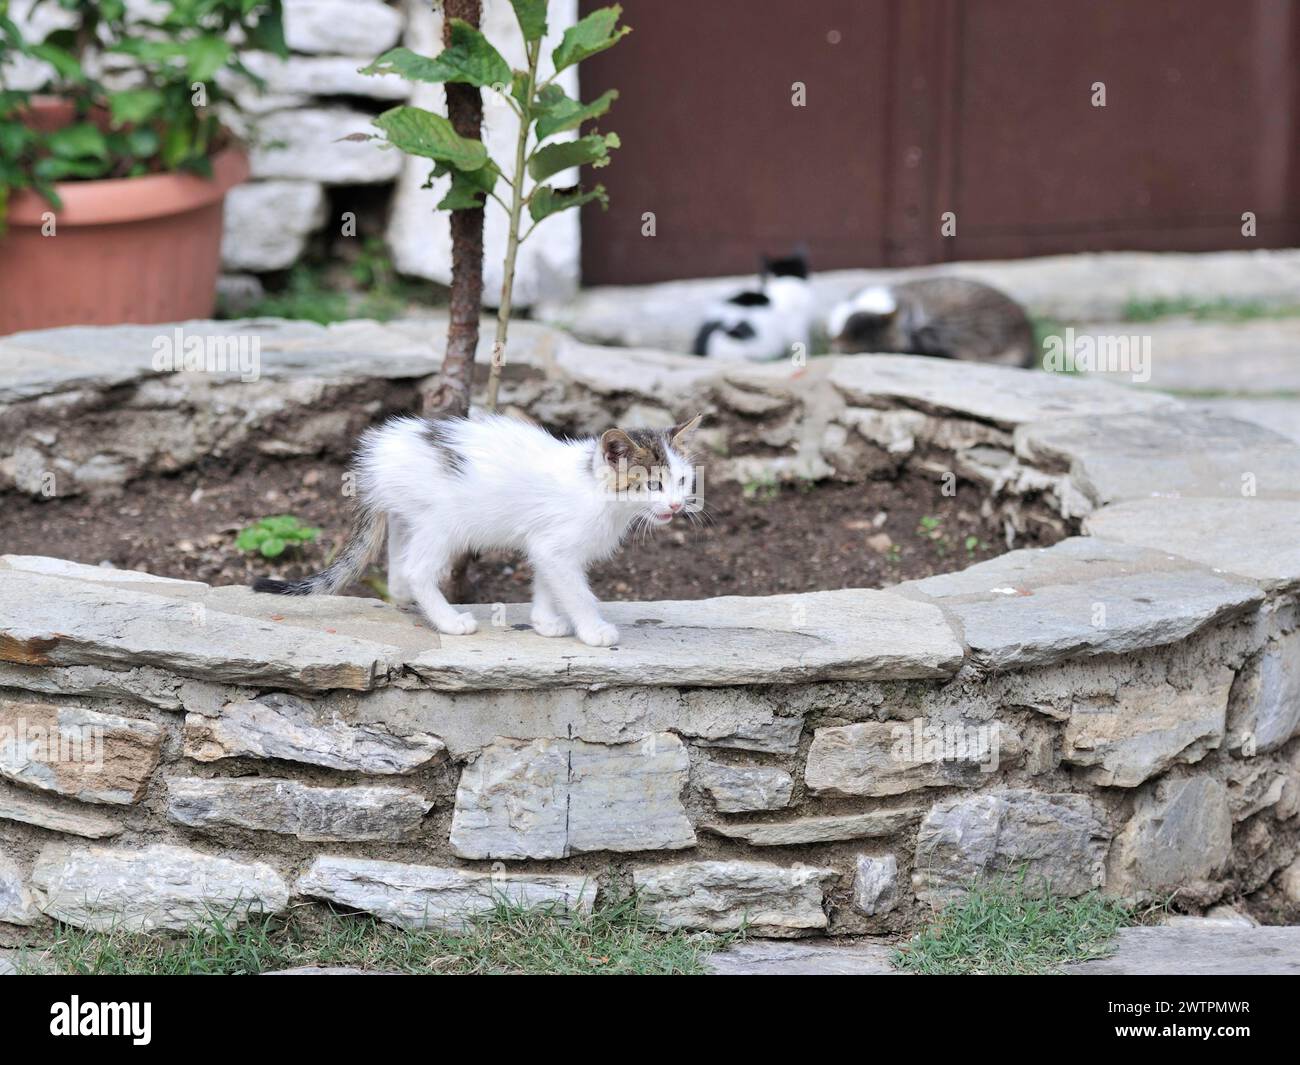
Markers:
point(652, 470)
point(865, 322)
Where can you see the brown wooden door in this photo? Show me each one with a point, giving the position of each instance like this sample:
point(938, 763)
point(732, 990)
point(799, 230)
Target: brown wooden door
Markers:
point(714, 147)
point(918, 107)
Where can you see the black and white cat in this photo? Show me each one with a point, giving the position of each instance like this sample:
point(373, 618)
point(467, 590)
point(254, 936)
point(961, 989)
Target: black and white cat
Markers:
point(440, 489)
point(763, 324)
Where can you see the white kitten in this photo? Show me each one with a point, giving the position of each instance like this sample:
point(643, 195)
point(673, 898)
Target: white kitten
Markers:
point(762, 325)
point(447, 487)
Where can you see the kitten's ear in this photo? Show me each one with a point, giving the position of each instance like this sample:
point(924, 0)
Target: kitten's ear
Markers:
point(615, 445)
point(679, 433)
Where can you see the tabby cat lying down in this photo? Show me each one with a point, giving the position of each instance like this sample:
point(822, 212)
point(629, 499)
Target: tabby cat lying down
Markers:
point(440, 489)
point(950, 317)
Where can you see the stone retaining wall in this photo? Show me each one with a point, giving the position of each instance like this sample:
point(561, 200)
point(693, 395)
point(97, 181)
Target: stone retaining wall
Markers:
point(1120, 710)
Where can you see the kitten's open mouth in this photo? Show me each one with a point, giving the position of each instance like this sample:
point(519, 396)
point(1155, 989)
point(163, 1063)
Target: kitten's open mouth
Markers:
point(662, 517)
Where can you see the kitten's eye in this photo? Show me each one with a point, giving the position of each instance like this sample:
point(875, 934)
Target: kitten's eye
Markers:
point(681, 482)
point(653, 486)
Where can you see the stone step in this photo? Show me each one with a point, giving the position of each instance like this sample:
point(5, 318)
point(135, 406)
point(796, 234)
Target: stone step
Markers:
point(1155, 951)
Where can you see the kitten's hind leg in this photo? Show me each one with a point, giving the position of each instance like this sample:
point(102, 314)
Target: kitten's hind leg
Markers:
point(546, 617)
point(427, 565)
point(399, 585)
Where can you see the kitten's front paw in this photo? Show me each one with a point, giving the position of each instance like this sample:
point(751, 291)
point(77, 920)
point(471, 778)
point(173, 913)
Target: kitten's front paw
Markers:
point(460, 625)
point(601, 634)
point(551, 626)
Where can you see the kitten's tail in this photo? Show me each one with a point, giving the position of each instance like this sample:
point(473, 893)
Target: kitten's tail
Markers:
point(365, 541)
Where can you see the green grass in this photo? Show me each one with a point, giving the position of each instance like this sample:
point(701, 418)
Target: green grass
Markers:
point(617, 938)
point(762, 489)
point(368, 287)
point(1220, 310)
point(998, 928)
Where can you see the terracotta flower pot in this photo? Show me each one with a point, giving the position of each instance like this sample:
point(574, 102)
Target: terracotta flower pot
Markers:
point(141, 249)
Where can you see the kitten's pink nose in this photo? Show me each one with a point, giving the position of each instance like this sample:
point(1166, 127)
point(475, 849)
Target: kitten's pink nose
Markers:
point(674, 507)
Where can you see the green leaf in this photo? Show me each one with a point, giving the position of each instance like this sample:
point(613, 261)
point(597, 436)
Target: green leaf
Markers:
point(142, 143)
point(469, 188)
point(15, 138)
point(250, 538)
point(130, 107)
point(204, 56)
point(469, 59)
point(65, 64)
point(419, 132)
point(54, 169)
point(406, 64)
point(532, 18)
point(592, 150)
point(593, 34)
point(268, 34)
point(519, 87)
point(547, 201)
point(273, 546)
point(77, 142)
point(178, 143)
point(558, 112)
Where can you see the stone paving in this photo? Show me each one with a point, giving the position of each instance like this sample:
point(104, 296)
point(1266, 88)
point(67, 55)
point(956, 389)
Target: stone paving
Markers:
point(1065, 288)
point(1196, 950)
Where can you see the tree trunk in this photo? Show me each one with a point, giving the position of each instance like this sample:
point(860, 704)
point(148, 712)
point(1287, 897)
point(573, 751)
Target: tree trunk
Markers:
point(451, 395)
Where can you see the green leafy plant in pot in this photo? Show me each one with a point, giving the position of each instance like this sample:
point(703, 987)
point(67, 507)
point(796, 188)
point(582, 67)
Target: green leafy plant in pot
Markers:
point(114, 171)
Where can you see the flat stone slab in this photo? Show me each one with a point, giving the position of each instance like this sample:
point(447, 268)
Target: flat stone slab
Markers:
point(1278, 414)
point(1176, 452)
point(422, 896)
point(724, 896)
point(553, 798)
point(1004, 395)
point(853, 634)
point(1057, 842)
point(56, 815)
point(804, 957)
point(1180, 836)
point(289, 807)
point(236, 636)
point(47, 361)
point(102, 888)
point(282, 726)
point(1145, 729)
point(73, 751)
point(1082, 596)
point(1146, 951)
point(864, 759)
point(1251, 357)
point(63, 622)
point(744, 788)
point(1252, 538)
point(817, 829)
point(1180, 951)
